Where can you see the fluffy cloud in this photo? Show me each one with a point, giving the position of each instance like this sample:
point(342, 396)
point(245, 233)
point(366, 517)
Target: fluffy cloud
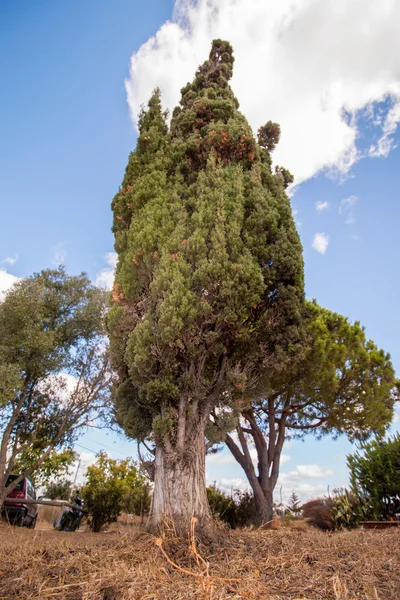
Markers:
point(320, 242)
point(10, 260)
point(105, 278)
point(6, 281)
point(347, 209)
point(303, 480)
point(396, 414)
point(226, 458)
point(321, 206)
point(79, 469)
point(310, 65)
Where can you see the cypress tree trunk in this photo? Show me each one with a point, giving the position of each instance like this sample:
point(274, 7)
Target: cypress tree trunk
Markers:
point(180, 491)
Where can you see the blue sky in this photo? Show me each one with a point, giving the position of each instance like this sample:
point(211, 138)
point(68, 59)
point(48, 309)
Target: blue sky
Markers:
point(67, 71)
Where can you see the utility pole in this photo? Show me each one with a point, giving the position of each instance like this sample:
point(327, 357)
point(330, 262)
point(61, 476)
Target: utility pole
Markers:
point(77, 471)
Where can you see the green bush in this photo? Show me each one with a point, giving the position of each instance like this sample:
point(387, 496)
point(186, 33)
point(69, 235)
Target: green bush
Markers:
point(236, 511)
point(347, 509)
point(375, 477)
point(58, 490)
point(111, 486)
point(318, 513)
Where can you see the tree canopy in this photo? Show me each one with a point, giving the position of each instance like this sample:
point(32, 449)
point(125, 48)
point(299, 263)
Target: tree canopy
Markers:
point(53, 349)
point(209, 283)
point(340, 384)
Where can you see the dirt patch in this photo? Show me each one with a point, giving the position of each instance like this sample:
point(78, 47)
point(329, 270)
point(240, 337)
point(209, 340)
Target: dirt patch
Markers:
point(274, 565)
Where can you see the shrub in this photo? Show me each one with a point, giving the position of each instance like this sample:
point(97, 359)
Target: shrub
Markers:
point(347, 509)
point(236, 511)
point(58, 490)
point(318, 513)
point(110, 485)
point(375, 477)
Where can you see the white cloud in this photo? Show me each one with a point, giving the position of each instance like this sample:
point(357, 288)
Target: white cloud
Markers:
point(105, 278)
point(59, 254)
point(321, 206)
point(307, 64)
point(226, 458)
point(220, 458)
point(320, 242)
point(389, 126)
point(313, 471)
point(303, 480)
point(396, 414)
point(79, 468)
point(10, 260)
point(347, 209)
point(6, 281)
point(229, 485)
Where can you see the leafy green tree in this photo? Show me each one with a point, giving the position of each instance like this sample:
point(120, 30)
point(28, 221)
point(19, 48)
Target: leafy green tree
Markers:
point(60, 489)
point(55, 466)
point(52, 346)
point(375, 477)
point(209, 282)
point(341, 384)
point(109, 485)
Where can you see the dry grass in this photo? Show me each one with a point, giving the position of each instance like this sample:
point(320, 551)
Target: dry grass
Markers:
point(283, 564)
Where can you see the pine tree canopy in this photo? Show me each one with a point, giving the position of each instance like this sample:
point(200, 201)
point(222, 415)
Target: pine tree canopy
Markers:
point(208, 289)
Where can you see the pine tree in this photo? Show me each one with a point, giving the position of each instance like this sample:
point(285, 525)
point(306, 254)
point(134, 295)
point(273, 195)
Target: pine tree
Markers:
point(209, 283)
point(340, 384)
point(294, 504)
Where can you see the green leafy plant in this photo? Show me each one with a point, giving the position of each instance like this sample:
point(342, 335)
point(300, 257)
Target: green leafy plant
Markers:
point(58, 490)
point(375, 477)
point(112, 485)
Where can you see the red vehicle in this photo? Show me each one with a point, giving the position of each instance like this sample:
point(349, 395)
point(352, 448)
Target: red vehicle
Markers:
point(21, 514)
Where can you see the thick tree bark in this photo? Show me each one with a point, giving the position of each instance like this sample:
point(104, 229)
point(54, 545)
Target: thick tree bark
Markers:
point(263, 506)
point(180, 491)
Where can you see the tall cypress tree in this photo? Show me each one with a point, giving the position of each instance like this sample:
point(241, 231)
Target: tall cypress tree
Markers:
point(208, 291)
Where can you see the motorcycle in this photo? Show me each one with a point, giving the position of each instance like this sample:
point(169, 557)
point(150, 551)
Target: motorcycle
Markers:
point(70, 519)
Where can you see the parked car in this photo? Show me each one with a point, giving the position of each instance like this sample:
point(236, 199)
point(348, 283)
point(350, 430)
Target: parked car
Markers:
point(20, 513)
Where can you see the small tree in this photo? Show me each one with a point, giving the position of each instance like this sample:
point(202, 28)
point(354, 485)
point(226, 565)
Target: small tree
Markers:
point(109, 483)
point(52, 351)
point(58, 490)
point(375, 476)
point(294, 505)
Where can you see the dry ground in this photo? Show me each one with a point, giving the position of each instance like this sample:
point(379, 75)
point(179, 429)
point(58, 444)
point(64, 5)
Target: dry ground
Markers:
point(284, 564)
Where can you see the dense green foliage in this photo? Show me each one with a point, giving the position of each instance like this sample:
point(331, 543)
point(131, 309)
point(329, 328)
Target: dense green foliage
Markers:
point(375, 477)
point(54, 467)
point(209, 282)
point(51, 326)
point(343, 383)
point(60, 489)
point(112, 485)
point(236, 510)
